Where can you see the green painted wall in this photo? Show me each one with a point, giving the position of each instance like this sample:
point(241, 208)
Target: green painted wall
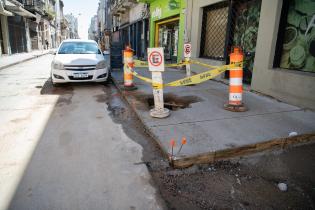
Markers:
point(166, 12)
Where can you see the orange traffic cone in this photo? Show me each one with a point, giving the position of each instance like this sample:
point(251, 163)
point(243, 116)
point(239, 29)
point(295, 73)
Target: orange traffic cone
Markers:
point(128, 66)
point(235, 103)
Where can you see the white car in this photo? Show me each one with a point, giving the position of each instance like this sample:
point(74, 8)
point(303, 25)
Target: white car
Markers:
point(79, 61)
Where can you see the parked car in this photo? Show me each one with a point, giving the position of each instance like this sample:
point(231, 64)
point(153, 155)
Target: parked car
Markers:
point(79, 61)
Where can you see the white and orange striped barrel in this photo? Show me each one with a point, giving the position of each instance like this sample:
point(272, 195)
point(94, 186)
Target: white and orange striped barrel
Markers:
point(128, 63)
point(236, 78)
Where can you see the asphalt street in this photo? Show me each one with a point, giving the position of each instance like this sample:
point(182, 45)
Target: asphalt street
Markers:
point(61, 149)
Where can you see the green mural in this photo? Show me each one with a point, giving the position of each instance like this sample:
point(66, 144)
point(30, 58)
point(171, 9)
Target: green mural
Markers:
point(246, 31)
point(298, 49)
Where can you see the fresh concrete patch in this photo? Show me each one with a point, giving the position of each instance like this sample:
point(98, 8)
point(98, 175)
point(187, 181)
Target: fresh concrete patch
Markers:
point(210, 129)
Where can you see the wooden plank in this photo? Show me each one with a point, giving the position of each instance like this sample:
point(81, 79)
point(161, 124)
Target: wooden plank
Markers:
point(210, 157)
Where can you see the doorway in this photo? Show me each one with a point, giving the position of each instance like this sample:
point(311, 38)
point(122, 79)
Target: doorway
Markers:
point(17, 34)
point(1, 40)
point(166, 36)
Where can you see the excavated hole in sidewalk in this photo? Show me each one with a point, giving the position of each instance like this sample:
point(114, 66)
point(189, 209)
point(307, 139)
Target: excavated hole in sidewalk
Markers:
point(173, 102)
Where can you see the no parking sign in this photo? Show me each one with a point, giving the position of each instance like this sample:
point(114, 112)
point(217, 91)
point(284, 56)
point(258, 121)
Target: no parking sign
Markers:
point(187, 50)
point(156, 59)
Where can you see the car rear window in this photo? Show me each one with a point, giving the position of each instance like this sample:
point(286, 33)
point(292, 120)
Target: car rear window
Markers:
point(79, 48)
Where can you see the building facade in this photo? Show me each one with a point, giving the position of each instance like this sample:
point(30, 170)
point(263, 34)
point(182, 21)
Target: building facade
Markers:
point(167, 27)
point(130, 26)
point(31, 25)
point(73, 26)
point(93, 29)
point(14, 23)
point(277, 38)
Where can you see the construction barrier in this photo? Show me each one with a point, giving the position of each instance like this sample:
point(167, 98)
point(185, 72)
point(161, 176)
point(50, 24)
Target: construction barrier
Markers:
point(128, 65)
point(236, 83)
point(195, 79)
point(144, 64)
point(156, 67)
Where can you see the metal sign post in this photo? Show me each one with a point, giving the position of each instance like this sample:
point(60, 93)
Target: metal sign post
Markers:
point(156, 66)
point(187, 55)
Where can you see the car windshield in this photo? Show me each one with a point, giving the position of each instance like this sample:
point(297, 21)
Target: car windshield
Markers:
point(79, 48)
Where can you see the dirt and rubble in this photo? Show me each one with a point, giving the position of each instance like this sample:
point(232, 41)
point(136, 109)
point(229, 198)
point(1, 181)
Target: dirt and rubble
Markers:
point(245, 183)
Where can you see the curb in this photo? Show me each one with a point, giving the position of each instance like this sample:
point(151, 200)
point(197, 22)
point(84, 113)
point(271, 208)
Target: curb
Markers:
point(165, 154)
point(22, 61)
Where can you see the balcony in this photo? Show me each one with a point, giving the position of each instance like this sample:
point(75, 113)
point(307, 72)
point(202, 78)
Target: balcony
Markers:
point(35, 6)
point(49, 13)
point(64, 23)
point(120, 6)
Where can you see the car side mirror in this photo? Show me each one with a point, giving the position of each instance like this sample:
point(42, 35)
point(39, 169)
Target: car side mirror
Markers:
point(54, 52)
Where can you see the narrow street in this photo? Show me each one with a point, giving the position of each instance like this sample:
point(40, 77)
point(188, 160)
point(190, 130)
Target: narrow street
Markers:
point(79, 146)
point(64, 148)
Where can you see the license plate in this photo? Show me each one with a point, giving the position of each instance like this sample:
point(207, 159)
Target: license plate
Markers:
point(80, 75)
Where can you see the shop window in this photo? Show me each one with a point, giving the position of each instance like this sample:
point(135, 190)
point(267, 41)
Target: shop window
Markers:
point(214, 27)
point(167, 37)
point(295, 48)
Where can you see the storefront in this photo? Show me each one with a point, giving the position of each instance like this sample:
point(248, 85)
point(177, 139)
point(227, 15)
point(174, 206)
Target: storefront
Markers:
point(17, 34)
point(217, 26)
point(285, 59)
point(167, 24)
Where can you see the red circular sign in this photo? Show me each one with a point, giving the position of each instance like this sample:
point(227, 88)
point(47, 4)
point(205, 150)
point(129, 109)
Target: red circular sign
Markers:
point(155, 58)
point(187, 49)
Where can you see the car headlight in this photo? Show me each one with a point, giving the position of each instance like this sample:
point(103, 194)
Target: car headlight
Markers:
point(57, 65)
point(101, 65)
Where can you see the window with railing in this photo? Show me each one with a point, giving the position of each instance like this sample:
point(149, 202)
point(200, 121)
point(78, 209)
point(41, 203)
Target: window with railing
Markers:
point(214, 27)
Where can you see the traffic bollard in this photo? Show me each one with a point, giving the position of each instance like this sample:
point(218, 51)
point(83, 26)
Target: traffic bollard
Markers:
point(158, 111)
point(128, 65)
point(235, 103)
point(156, 66)
point(187, 55)
point(188, 70)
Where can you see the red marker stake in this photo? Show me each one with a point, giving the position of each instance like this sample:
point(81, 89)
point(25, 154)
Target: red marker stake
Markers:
point(172, 145)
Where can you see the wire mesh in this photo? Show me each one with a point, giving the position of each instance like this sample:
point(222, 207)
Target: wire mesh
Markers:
point(214, 28)
point(227, 24)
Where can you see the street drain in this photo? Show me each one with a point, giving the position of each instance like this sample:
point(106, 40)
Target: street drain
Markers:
point(174, 103)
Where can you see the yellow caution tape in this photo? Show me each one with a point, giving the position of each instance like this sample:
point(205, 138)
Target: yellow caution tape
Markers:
point(139, 63)
point(177, 64)
point(203, 64)
point(195, 79)
point(198, 78)
point(148, 80)
point(143, 64)
point(141, 77)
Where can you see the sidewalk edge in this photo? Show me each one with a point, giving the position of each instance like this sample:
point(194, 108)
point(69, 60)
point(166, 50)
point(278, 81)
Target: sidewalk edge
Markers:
point(22, 61)
point(147, 128)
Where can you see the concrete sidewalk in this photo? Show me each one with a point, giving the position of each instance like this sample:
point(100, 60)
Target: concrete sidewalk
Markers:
point(212, 132)
point(10, 60)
